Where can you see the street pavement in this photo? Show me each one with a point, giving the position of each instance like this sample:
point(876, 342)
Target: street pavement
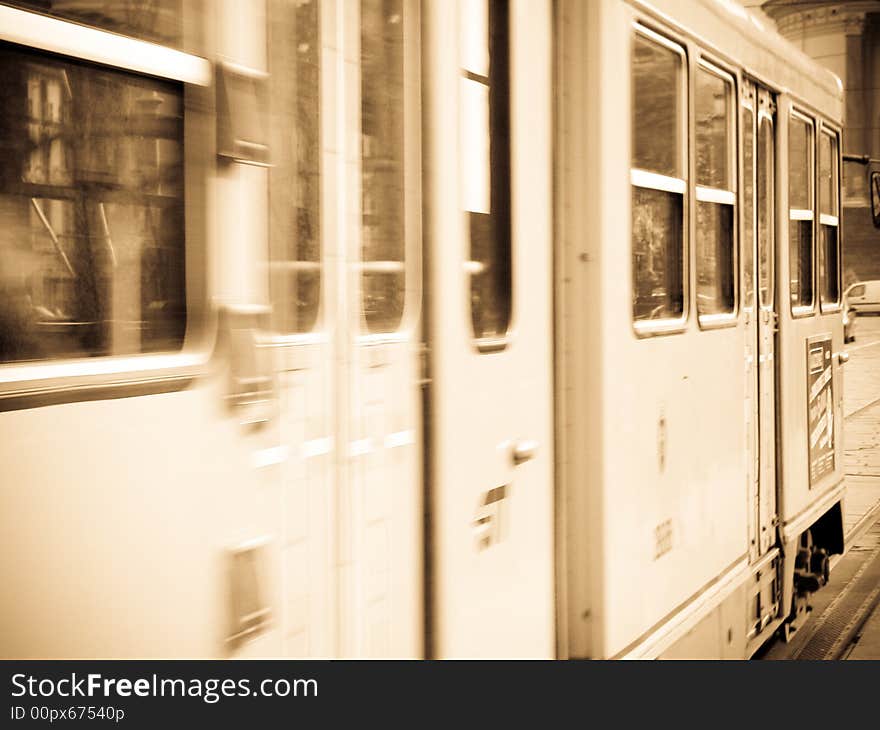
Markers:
point(861, 438)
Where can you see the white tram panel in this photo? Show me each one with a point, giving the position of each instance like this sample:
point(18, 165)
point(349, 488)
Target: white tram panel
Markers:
point(492, 447)
point(112, 506)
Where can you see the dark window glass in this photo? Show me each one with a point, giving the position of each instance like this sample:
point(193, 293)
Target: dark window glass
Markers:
point(295, 178)
point(714, 125)
point(827, 174)
point(748, 207)
point(715, 196)
point(829, 272)
point(715, 289)
point(91, 210)
point(766, 202)
point(800, 226)
point(801, 262)
point(657, 112)
point(829, 245)
point(800, 137)
point(382, 154)
point(485, 164)
point(658, 291)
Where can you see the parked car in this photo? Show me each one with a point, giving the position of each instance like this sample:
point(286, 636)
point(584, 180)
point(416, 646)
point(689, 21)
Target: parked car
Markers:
point(863, 296)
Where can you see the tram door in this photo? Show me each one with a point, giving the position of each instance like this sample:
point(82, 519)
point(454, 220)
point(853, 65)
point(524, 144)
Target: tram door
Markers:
point(490, 329)
point(344, 232)
point(767, 315)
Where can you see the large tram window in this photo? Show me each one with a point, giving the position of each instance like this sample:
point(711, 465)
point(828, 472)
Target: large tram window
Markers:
point(800, 203)
point(829, 263)
point(485, 162)
point(715, 193)
point(91, 210)
point(765, 178)
point(748, 207)
point(295, 179)
point(658, 179)
point(383, 232)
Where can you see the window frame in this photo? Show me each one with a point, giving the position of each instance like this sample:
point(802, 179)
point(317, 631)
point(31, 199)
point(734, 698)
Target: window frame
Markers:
point(704, 194)
point(800, 311)
point(655, 181)
point(33, 383)
point(827, 219)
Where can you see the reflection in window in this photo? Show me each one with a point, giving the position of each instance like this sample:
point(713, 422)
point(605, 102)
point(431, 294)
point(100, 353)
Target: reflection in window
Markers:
point(485, 162)
point(657, 254)
point(91, 211)
point(658, 181)
point(657, 108)
point(715, 196)
point(382, 153)
point(766, 211)
point(829, 261)
point(295, 178)
point(167, 22)
point(800, 226)
point(748, 185)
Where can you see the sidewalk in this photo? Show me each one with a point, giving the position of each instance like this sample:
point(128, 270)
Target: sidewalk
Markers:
point(861, 438)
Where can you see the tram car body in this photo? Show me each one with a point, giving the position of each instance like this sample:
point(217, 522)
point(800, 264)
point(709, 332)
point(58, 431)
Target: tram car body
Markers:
point(398, 328)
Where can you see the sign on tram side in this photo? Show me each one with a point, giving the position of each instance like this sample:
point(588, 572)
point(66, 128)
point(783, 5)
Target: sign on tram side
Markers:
point(820, 407)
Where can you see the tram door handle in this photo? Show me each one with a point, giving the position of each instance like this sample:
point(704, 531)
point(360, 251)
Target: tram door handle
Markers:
point(251, 391)
point(524, 451)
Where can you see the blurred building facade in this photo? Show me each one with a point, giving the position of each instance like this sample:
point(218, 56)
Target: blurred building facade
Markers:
point(844, 37)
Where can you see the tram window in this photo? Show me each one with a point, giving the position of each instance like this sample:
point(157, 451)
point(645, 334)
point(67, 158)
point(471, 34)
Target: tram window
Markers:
point(383, 239)
point(800, 201)
point(766, 209)
point(715, 193)
point(174, 23)
point(658, 179)
point(91, 204)
point(748, 203)
point(485, 163)
point(829, 262)
point(295, 179)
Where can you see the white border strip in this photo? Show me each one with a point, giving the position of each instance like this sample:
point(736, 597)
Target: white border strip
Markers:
point(91, 44)
point(828, 220)
point(714, 195)
point(270, 456)
point(799, 214)
point(12, 374)
point(645, 179)
point(399, 438)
